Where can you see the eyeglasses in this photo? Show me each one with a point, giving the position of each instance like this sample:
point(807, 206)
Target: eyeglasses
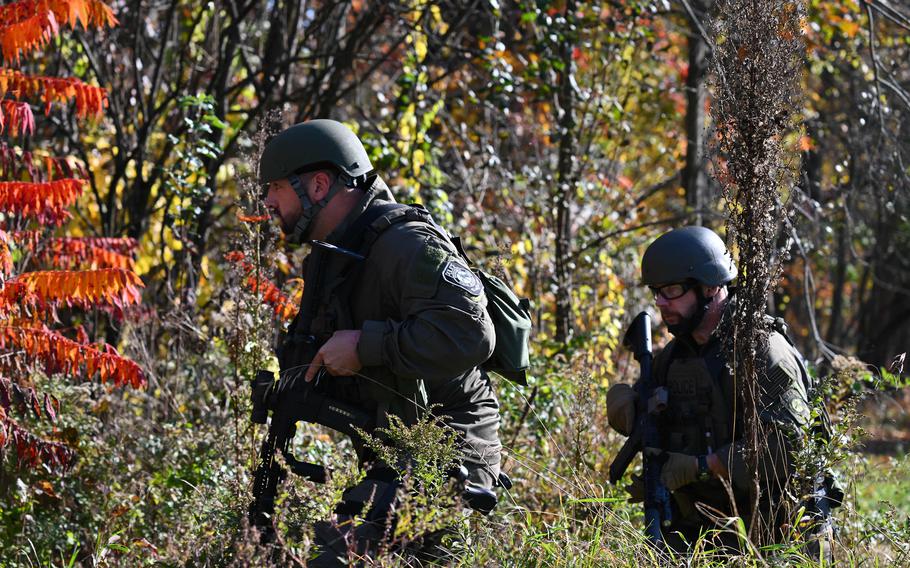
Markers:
point(671, 291)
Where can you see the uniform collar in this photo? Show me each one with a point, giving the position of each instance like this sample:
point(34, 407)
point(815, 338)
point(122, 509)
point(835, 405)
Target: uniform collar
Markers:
point(377, 189)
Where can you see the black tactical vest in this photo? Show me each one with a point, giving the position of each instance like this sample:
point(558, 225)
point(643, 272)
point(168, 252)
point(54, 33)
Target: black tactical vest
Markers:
point(699, 416)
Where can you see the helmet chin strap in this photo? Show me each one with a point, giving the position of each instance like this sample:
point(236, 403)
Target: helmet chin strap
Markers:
point(689, 324)
point(310, 209)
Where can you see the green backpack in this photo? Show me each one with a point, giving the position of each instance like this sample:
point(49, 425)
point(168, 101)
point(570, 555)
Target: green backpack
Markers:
point(511, 318)
point(511, 315)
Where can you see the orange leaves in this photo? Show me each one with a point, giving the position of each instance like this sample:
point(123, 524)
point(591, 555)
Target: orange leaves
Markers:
point(16, 117)
point(283, 307)
point(92, 13)
point(252, 218)
point(28, 25)
point(112, 286)
point(6, 259)
point(70, 253)
point(90, 100)
point(25, 26)
point(33, 240)
point(47, 201)
point(806, 143)
point(28, 33)
point(271, 295)
point(59, 354)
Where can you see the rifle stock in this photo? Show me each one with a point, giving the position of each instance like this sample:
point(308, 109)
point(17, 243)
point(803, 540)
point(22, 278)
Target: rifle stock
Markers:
point(626, 454)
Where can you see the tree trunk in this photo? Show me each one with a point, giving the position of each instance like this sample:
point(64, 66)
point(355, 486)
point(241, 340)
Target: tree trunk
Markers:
point(694, 178)
point(565, 179)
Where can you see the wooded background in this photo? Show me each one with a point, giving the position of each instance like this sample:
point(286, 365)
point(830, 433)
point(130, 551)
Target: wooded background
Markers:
point(557, 138)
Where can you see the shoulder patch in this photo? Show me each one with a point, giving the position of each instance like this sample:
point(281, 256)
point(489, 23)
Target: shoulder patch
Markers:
point(457, 274)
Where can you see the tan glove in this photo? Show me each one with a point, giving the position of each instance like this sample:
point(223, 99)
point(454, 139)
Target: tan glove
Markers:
point(636, 489)
point(621, 408)
point(678, 469)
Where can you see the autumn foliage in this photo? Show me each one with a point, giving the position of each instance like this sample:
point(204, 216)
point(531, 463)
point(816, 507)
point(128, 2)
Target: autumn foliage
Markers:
point(284, 308)
point(29, 24)
point(43, 276)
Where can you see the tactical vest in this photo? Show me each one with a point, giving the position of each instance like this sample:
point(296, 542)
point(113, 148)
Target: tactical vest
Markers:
point(699, 414)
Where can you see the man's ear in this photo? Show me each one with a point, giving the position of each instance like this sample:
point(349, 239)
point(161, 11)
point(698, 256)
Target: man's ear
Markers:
point(320, 185)
point(710, 291)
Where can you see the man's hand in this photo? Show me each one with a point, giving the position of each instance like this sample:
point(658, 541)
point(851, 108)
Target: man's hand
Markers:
point(678, 469)
point(338, 355)
point(636, 489)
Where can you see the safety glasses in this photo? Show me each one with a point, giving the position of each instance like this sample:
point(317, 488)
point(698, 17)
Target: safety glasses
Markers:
point(671, 291)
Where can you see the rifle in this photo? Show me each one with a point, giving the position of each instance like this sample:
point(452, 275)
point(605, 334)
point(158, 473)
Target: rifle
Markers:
point(651, 401)
point(291, 401)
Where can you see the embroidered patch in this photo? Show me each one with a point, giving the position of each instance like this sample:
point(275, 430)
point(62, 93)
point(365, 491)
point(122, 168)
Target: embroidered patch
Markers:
point(460, 275)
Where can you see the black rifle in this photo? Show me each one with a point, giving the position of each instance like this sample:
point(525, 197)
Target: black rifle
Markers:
point(651, 401)
point(291, 401)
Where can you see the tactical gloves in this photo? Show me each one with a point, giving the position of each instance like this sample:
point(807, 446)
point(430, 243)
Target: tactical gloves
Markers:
point(678, 469)
point(636, 489)
point(621, 408)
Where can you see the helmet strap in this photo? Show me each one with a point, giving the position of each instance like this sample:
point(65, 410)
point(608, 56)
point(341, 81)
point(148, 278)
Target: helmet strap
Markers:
point(310, 209)
point(688, 325)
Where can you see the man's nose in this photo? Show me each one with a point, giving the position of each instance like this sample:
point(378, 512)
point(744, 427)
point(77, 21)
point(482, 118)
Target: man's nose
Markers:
point(661, 301)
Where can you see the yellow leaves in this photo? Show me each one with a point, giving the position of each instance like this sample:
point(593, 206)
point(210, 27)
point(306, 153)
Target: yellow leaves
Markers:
point(418, 159)
point(420, 45)
point(441, 26)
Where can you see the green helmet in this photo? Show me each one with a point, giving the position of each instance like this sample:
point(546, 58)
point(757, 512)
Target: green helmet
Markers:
point(688, 253)
point(314, 145)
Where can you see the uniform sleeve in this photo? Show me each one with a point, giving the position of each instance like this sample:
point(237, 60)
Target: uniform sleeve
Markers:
point(784, 414)
point(443, 329)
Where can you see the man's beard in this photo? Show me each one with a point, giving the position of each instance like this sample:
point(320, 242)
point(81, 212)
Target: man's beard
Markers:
point(685, 326)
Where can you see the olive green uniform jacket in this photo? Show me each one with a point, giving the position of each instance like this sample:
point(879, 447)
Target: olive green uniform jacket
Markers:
point(704, 415)
point(424, 331)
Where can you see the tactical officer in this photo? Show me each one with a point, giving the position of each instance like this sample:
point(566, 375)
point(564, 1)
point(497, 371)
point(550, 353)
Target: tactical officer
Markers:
point(689, 271)
point(400, 317)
